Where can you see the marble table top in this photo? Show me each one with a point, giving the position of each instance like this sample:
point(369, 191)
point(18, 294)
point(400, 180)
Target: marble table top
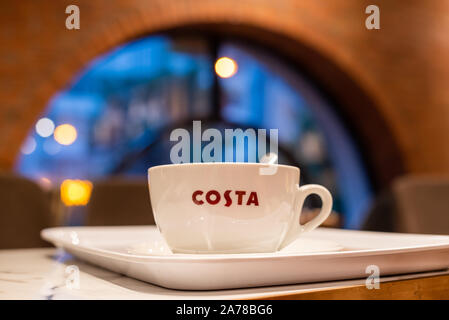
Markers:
point(48, 273)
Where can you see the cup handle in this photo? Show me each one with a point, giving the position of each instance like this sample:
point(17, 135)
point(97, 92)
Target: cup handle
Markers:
point(301, 194)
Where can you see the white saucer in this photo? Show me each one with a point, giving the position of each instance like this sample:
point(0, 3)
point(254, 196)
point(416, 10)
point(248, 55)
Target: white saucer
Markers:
point(321, 255)
point(158, 247)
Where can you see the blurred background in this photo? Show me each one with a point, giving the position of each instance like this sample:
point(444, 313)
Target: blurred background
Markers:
point(86, 112)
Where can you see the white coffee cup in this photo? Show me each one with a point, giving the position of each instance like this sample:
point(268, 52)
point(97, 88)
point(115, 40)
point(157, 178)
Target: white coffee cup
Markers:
point(231, 207)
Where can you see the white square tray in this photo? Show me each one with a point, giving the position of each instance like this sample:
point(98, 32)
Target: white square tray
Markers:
point(321, 255)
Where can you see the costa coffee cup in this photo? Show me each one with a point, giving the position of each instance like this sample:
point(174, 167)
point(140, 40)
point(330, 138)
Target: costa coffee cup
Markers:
point(231, 207)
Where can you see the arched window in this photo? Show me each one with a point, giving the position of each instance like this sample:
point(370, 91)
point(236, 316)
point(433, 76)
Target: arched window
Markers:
point(117, 115)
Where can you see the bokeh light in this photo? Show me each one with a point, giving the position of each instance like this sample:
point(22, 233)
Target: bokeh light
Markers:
point(76, 192)
point(45, 183)
point(225, 67)
point(29, 146)
point(45, 127)
point(65, 134)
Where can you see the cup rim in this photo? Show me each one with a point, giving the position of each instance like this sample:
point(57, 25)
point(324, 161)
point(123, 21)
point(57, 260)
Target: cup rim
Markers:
point(230, 164)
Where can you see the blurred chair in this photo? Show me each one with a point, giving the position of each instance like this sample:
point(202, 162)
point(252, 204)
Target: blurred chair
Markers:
point(414, 204)
point(24, 212)
point(119, 201)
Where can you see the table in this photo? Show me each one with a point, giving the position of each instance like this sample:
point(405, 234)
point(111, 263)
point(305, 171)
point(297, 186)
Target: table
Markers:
point(48, 273)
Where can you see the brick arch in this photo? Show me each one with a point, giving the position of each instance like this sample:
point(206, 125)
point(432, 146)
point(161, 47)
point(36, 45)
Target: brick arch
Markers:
point(275, 24)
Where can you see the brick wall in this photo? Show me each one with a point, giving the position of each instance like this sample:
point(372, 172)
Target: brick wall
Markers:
point(403, 67)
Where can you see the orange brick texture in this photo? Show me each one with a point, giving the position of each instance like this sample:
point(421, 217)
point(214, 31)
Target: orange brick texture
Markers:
point(403, 67)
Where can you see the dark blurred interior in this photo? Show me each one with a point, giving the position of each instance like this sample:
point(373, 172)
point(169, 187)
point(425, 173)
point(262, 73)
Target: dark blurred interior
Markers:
point(86, 112)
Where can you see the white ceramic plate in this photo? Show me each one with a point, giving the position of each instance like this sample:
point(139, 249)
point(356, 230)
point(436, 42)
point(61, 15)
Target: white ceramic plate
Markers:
point(321, 255)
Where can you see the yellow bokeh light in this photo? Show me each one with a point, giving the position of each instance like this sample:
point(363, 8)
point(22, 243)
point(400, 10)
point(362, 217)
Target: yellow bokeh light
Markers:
point(225, 67)
point(65, 134)
point(76, 192)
